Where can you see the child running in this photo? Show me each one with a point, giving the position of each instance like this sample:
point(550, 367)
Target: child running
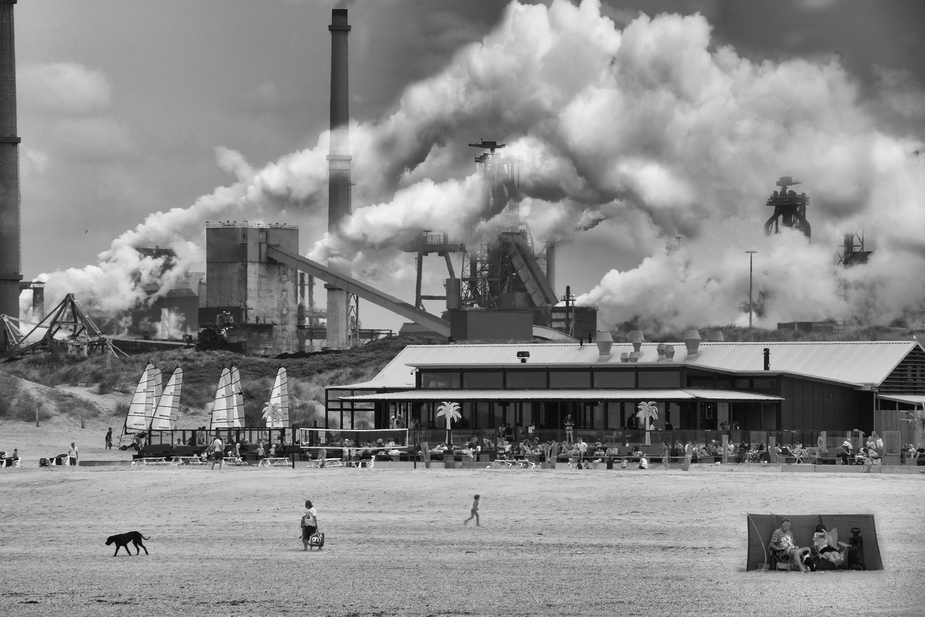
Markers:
point(475, 512)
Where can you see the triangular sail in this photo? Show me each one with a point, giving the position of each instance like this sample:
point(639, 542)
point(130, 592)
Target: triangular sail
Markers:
point(155, 386)
point(236, 415)
point(222, 403)
point(136, 420)
point(277, 412)
point(165, 414)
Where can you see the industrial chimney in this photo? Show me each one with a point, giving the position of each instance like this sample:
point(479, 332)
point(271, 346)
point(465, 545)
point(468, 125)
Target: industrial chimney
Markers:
point(339, 158)
point(10, 225)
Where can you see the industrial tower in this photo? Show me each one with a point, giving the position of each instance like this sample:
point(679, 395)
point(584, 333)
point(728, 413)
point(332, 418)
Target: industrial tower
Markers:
point(789, 207)
point(339, 202)
point(10, 224)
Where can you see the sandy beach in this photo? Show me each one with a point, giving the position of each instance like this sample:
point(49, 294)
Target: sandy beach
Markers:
point(551, 542)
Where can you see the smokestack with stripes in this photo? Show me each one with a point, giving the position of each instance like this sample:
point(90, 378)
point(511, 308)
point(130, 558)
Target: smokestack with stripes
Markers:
point(10, 232)
point(338, 165)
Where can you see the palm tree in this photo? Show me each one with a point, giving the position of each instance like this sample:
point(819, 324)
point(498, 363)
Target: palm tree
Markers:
point(450, 411)
point(272, 413)
point(646, 411)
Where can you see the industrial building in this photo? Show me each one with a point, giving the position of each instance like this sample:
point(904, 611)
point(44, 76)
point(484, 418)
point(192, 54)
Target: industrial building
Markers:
point(760, 387)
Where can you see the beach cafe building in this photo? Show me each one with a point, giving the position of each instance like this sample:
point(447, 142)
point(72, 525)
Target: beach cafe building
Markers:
point(800, 387)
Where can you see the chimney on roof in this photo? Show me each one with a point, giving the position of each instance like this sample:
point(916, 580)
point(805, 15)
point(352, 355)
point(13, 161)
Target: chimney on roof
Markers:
point(604, 343)
point(692, 340)
point(767, 359)
point(669, 353)
point(660, 349)
point(636, 338)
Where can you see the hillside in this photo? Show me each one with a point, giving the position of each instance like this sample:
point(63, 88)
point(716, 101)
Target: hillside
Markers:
point(103, 385)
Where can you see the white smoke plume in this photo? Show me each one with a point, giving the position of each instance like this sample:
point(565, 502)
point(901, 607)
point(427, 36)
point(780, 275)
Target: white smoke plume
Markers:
point(646, 126)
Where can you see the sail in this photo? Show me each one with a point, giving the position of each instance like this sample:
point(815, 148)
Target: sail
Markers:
point(222, 403)
point(155, 386)
point(236, 416)
point(136, 420)
point(276, 413)
point(165, 414)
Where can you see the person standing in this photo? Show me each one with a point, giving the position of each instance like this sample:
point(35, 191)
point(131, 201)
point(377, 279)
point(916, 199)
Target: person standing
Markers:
point(218, 453)
point(72, 455)
point(109, 439)
point(309, 523)
point(569, 428)
point(474, 512)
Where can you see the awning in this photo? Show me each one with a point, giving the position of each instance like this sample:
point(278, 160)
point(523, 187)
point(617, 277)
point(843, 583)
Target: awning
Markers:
point(565, 395)
point(912, 399)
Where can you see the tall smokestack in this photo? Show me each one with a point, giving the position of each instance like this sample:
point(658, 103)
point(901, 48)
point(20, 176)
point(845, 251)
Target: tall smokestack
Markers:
point(10, 232)
point(551, 263)
point(338, 165)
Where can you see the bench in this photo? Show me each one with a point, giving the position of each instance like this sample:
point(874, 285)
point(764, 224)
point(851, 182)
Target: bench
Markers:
point(188, 460)
point(150, 460)
point(328, 462)
point(273, 462)
point(369, 463)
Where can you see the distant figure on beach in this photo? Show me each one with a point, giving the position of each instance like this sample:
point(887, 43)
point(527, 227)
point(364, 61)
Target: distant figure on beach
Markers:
point(474, 512)
point(218, 453)
point(72, 455)
point(309, 523)
point(569, 428)
point(109, 439)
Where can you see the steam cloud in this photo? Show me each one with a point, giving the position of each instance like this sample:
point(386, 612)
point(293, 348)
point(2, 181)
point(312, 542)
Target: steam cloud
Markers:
point(646, 129)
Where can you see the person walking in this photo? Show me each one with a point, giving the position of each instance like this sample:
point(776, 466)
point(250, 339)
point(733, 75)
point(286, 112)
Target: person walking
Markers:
point(109, 439)
point(72, 455)
point(474, 512)
point(309, 524)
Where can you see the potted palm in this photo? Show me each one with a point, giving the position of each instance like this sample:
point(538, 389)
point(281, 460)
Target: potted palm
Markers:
point(646, 412)
point(450, 411)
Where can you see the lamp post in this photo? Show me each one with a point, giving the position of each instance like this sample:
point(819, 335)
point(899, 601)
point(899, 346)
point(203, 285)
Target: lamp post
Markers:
point(750, 255)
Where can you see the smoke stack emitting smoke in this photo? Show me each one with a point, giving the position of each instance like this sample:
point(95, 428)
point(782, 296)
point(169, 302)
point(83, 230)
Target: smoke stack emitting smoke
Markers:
point(644, 132)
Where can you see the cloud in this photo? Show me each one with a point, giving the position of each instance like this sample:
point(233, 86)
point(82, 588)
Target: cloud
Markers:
point(647, 127)
point(64, 87)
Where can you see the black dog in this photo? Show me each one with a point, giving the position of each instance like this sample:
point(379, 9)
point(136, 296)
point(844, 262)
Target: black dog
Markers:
point(122, 539)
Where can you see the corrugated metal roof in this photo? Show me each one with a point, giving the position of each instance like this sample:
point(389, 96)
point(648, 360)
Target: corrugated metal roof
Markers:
point(914, 399)
point(853, 362)
point(563, 395)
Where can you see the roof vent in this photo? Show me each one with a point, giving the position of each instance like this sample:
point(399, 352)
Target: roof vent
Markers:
point(634, 356)
point(624, 357)
point(715, 336)
point(604, 343)
point(636, 338)
point(669, 353)
point(661, 352)
point(692, 340)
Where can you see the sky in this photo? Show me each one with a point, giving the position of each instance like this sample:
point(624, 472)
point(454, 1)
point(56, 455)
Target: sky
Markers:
point(647, 134)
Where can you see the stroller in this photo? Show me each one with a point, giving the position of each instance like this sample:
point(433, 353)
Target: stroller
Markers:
point(855, 550)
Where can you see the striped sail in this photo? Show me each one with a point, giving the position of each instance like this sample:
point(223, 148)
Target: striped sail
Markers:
point(222, 403)
point(155, 386)
point(276, 413)
point(165, 414)
point(236, 416)
point(136, 420)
